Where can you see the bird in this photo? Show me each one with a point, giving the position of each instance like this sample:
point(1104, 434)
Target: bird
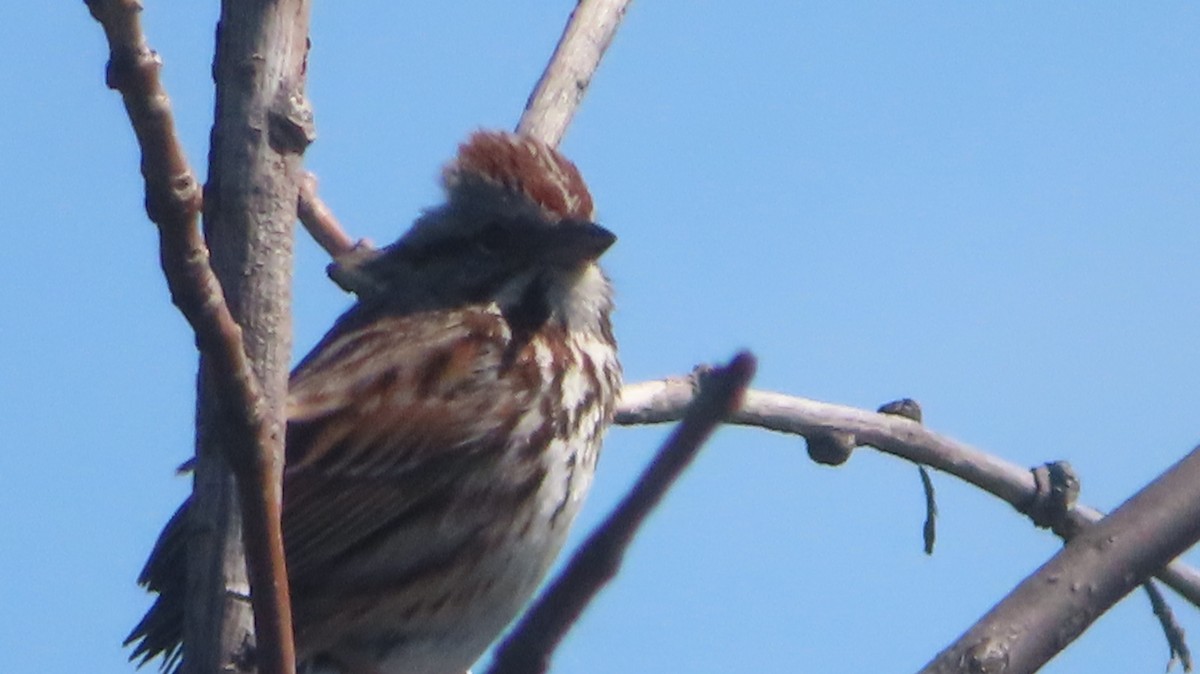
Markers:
point(442, 436)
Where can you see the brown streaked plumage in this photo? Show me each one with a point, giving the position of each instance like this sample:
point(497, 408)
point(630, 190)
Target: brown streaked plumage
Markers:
point(442, 435)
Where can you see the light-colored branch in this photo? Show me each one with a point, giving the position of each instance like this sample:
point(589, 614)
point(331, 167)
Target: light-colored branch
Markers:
point(262, 126)
point(528, 649)
point(665, 400)
point(563, 84)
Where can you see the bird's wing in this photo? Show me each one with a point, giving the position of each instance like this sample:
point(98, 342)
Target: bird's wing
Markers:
point(391, 425)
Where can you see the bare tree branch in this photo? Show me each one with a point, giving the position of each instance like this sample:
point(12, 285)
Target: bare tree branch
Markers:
point(262, 127)
point(1172, 630)
point(1093, 571)
point(320, 221)
point(527, 650)
point(563, 84)
point(665, 400)
point(249, 418)
point(173, 203)
point(348, 255)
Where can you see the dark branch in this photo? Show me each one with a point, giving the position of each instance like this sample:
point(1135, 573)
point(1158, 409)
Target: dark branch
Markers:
point(929, 530)
point(527, 650)
point(1093, 571)
point(173, 203)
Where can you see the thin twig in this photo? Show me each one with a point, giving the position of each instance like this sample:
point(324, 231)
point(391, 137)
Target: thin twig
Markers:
point(173, 203)
point(1172, 630)
point(929, 530)
point(563, 84)
point(665, 400)
point(527, 650)
point(348, 255)
point(320, 221)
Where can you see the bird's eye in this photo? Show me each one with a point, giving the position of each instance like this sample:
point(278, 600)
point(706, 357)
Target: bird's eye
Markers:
point(492, 238)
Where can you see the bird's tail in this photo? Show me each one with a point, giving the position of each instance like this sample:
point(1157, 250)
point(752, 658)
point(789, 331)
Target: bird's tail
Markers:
point(160, 632)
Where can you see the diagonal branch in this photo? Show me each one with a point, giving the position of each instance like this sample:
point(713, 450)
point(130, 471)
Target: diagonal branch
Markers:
point(665, 400)
point(528, 648)
point(567, 77)
point(173, 203)
point(1093, 571)
point(320, 221)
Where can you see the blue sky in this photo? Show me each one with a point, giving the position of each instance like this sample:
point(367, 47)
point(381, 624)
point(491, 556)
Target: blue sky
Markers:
point(988, 206)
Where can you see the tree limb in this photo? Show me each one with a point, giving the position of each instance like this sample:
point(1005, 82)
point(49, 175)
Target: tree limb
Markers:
point(261, 129)
point(173, 204)
point(665, 400)
point(567, 77)
point(1093, 571)
point(232, 397)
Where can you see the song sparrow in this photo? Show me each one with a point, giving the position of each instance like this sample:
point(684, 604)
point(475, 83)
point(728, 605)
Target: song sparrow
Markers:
point(443, 434)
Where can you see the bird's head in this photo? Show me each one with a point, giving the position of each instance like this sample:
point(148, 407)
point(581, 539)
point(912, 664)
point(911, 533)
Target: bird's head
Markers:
point(517, 229)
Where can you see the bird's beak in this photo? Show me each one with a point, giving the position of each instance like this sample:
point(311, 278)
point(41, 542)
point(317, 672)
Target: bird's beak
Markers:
point(575, 241)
